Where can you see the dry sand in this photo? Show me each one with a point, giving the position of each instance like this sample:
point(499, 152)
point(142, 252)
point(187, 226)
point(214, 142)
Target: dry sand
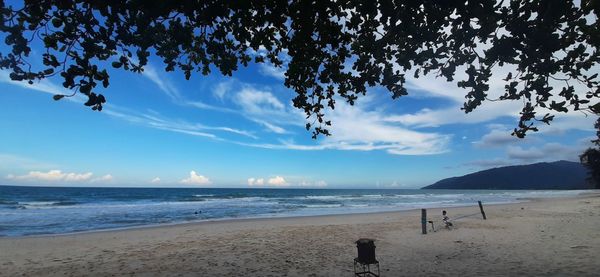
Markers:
point(555, 237)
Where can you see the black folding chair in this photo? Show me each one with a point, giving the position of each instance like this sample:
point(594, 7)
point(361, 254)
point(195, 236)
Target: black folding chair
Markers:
point(365, 264)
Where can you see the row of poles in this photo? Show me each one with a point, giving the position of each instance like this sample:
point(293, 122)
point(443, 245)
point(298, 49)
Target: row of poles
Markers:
point(424, 217)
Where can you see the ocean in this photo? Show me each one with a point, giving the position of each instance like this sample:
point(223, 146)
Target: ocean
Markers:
point(28, 211)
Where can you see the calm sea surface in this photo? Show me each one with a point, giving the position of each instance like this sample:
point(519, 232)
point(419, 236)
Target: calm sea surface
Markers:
point(44, 210)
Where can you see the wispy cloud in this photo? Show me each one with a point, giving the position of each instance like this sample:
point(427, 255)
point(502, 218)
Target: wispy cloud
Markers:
point(267, 68)
point(271, 127)
point(532, 153)
point(454, 115)
point(155, 120)
point(431, 86)
point(162, 82)
point(547, 152)
point(270, 70)
point(260, 105)
point(500, 136)
point(360, 128)
point(256, 101)
point(45, 86)
point(222, 88)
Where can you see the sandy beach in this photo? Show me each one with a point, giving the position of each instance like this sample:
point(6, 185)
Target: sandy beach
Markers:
point(551, 237)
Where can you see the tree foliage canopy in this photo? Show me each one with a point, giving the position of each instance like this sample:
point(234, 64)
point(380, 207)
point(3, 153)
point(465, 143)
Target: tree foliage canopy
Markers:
point(590, 158)
point(333, 49)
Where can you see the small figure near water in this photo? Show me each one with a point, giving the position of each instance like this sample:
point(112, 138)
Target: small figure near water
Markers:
point(446, 220)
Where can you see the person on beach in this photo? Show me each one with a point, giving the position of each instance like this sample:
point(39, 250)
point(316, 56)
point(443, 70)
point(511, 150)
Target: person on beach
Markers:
point(446, 220)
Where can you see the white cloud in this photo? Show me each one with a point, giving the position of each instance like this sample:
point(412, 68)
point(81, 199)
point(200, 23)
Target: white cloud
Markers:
point(360, 129)
point(45, 86)
point(179, 126)
point(104, 179)
point(272, 71)
point(547, 152)
point(454, 115)
point(571, 121)
point(52, 176)
point(165, 85)
point(256, 182)
point(41, 86)
point(519, 153)
point(195, 179)
point(156, 180)
point(431, 86)
point(263, 107)
point(77, 177)
point(157, 121)
point(162, 82)
point(354, 127)
point(271, 127)
point(499, 137)
point(256, 101)
point(357, 128)
point(318, 184)
point(267, 68)
point(277, 181)
point(222, 88)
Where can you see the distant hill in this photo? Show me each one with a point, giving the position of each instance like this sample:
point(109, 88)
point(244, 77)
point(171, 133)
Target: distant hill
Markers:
point(554, 175)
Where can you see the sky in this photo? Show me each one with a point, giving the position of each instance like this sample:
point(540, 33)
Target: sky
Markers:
point(160, 130)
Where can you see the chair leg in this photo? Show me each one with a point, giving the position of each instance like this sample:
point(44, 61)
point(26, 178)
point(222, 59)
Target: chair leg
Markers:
point(364, 270)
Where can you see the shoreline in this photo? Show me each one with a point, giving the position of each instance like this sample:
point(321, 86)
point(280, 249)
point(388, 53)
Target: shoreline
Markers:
point(261, 218)
point(551, 236)
point(285, 216)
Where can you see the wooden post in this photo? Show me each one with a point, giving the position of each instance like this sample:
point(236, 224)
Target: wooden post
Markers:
point(481, 208)
point(424, 221)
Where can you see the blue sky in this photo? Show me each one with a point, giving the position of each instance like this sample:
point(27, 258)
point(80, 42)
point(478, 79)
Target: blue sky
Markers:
point(158, 129)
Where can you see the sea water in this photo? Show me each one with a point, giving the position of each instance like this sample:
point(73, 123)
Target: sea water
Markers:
point(55, 210)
